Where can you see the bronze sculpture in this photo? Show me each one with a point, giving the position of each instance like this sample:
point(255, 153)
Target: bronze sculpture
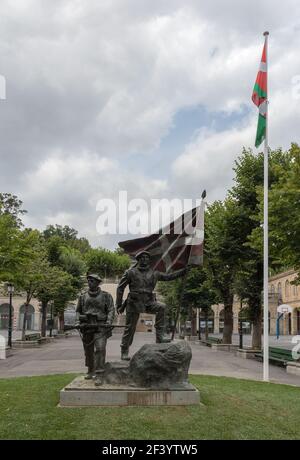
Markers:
point(94, 317)
point(141, 280)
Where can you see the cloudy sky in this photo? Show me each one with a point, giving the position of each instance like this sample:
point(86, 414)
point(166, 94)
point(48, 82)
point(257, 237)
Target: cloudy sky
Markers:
point(151, 97)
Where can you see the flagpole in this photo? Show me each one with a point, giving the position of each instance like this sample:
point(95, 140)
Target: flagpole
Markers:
point(266, 242)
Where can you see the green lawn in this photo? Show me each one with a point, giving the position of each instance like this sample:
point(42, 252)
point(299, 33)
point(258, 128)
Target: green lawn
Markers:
point(230, 409)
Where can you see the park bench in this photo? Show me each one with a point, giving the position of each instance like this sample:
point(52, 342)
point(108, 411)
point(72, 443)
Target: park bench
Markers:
point(214, 340)
point(211, 340)
point(31, 337)
point(279, 356)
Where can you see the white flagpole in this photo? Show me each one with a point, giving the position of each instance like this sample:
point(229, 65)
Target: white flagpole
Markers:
point(266, 242)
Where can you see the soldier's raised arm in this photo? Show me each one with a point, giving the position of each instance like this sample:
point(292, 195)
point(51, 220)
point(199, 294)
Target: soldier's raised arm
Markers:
point(121, 288)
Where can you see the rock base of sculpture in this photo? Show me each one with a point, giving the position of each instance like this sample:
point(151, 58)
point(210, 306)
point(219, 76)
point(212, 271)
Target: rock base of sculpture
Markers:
point(157, 375)
point(81, 392)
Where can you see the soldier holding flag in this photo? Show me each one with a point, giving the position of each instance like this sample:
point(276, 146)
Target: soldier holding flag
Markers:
point(159, 257)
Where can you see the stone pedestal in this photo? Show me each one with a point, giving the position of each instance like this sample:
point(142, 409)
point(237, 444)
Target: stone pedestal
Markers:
point(81, 392)
point(246, 353)
point(156, 375)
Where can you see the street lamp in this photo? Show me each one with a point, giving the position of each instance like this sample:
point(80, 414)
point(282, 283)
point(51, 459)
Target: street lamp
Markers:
point(10, 290)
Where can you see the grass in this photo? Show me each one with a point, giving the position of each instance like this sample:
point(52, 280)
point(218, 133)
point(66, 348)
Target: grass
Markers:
point(229, 409)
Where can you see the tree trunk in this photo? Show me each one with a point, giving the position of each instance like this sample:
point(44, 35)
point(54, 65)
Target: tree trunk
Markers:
point(44, 318)
point(257, 325)
point(175, 324)
point(206, 324)
point(194, 323)
point(61, 316)
point(228, 322)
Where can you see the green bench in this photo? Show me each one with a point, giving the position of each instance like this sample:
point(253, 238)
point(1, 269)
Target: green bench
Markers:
point(214, 340)
point(211, 340)
point(31, 337)
point(279, 356)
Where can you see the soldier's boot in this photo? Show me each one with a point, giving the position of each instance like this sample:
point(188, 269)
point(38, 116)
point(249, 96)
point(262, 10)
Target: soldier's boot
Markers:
point(161, 338)
point(99, 379)
point(124, 354)
point(89, 374)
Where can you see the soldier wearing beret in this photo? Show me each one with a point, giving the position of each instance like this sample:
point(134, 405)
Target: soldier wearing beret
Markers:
point(141, 280)
point(94, 314)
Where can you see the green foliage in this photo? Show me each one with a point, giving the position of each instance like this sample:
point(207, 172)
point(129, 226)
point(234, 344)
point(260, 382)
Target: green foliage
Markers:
point(106, 263)
point(67, 258)
point(56, 286)
point(13, 251)
point(67, 236)
point(31, 273)
point(223, 247)
point(184, 294)
point(12, 206)
point(71, 261)
point(11, 255)
point(284, 213)
point(65, 233)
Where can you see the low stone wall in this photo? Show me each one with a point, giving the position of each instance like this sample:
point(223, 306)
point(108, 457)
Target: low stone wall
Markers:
point(26, 344)
point(293, 367)
point(224, 347)
point(191, 338)
point(2, 347)
point(246, 353)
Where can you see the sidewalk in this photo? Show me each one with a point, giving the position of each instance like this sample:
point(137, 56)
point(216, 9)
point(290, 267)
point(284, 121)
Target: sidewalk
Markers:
point(66, 356)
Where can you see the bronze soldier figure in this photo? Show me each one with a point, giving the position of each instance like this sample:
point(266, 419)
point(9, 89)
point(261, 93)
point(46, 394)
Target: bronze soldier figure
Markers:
point(94, 314)
point(142, 280)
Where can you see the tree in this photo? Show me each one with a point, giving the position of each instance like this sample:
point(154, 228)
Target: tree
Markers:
point(106, 263)
point(247, 194)
point(223, 248)
point(184, 295)
point(67, 237)
point(11, 254)
point(65, 233)
point(31, 273)
point(198, 294)
point(12, 251)
point(284, 214)
point(56, 286)
point(11, 205)
point(71, 261)
point(172, 294)
point(67, 258)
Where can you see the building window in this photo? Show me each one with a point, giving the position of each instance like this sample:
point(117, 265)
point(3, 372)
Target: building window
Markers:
point(287, 289)
point(295, 290)
point(279, 290)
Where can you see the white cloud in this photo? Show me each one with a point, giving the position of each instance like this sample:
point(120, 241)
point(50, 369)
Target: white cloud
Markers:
point(91, 83)
point(207, 162)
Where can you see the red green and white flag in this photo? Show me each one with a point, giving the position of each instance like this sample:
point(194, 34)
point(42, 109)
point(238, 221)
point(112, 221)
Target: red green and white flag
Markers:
point(259, 97)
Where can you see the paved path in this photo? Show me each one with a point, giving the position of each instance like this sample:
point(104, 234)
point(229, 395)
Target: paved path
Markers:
point(66, 355)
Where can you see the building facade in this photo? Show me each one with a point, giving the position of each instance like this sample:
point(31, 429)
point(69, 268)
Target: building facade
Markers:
point(33, 317)
point(33, 321)
point(281, 292)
